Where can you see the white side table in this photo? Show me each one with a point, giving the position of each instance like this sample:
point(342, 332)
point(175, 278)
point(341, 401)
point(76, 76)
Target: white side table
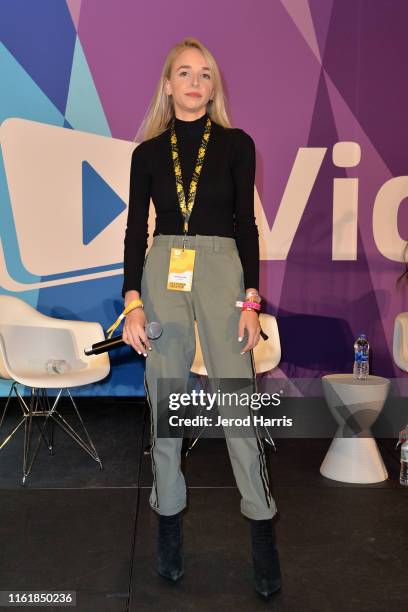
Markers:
point(353, 455)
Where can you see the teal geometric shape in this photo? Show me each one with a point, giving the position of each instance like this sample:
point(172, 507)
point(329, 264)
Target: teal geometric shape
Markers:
point(84, 109)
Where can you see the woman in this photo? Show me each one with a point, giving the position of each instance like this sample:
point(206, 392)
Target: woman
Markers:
point(200, 174)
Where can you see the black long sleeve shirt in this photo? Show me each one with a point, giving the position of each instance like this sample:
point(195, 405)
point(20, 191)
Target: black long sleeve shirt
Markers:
point(224, 202)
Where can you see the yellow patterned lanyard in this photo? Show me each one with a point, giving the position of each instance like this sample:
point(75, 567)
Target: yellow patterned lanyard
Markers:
point(186, 210)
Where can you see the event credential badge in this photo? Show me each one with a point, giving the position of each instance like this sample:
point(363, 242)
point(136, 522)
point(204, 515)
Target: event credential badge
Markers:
point(181, 269)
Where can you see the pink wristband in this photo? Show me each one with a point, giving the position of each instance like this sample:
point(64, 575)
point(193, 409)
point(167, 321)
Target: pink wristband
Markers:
point(253, 305)
point(248, 304)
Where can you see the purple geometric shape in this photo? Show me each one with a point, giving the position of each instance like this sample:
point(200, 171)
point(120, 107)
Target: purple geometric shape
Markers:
point(321, 15)
point(369, 66)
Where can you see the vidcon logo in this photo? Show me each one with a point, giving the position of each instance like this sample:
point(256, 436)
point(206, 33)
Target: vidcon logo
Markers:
point(63, 199)
point(275, 242)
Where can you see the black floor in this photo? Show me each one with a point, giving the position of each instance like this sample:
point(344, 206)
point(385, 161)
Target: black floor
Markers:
point(72, 527)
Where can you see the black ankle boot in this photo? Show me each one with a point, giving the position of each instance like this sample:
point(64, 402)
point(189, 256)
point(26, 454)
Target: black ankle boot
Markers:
point(265, 558)
point(170, 561)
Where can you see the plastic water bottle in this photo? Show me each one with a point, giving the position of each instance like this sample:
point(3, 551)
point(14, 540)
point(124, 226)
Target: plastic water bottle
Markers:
point(403, 440)
point(57, 366)
point(361, 350)
point(404, 464)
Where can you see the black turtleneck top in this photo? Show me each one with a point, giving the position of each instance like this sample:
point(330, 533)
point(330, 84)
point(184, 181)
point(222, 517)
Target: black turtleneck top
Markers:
point(224, 202)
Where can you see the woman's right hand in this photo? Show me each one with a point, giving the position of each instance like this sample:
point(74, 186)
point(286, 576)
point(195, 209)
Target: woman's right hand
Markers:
point(134, 331)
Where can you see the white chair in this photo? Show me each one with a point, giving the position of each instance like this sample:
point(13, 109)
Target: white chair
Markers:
point(267, 355)
point(400, 341)
point(28, 339)
point(400, 345)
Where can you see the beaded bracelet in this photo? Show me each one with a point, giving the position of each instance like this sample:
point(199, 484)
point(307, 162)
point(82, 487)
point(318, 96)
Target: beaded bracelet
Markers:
point(254, 294)
point(254, 307)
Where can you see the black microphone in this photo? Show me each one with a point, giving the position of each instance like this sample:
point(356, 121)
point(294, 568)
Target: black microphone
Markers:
point(153, 330)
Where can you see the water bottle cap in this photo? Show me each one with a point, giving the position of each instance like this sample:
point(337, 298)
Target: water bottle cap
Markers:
point(403, 436)
point(362, 336)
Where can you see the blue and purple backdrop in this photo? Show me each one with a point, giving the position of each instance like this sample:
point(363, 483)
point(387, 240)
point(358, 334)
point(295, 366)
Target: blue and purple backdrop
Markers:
point(321, 87)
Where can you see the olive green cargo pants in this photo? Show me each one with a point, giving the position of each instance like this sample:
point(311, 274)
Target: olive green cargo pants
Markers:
point(217, 283)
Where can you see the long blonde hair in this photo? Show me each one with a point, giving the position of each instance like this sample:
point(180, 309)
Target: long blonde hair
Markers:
point(161, 110)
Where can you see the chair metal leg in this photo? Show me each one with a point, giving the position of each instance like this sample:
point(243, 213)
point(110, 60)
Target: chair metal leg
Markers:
point(7, 403)
point(11, 434)
point(51, 423)
point(268, 438)
point(67, 427)
point(27, 435)
point(40, 406)
point(91, 448)
point(194, 439)
point(36, 408)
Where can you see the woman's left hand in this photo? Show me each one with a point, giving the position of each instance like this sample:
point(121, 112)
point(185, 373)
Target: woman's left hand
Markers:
point(249, 320)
